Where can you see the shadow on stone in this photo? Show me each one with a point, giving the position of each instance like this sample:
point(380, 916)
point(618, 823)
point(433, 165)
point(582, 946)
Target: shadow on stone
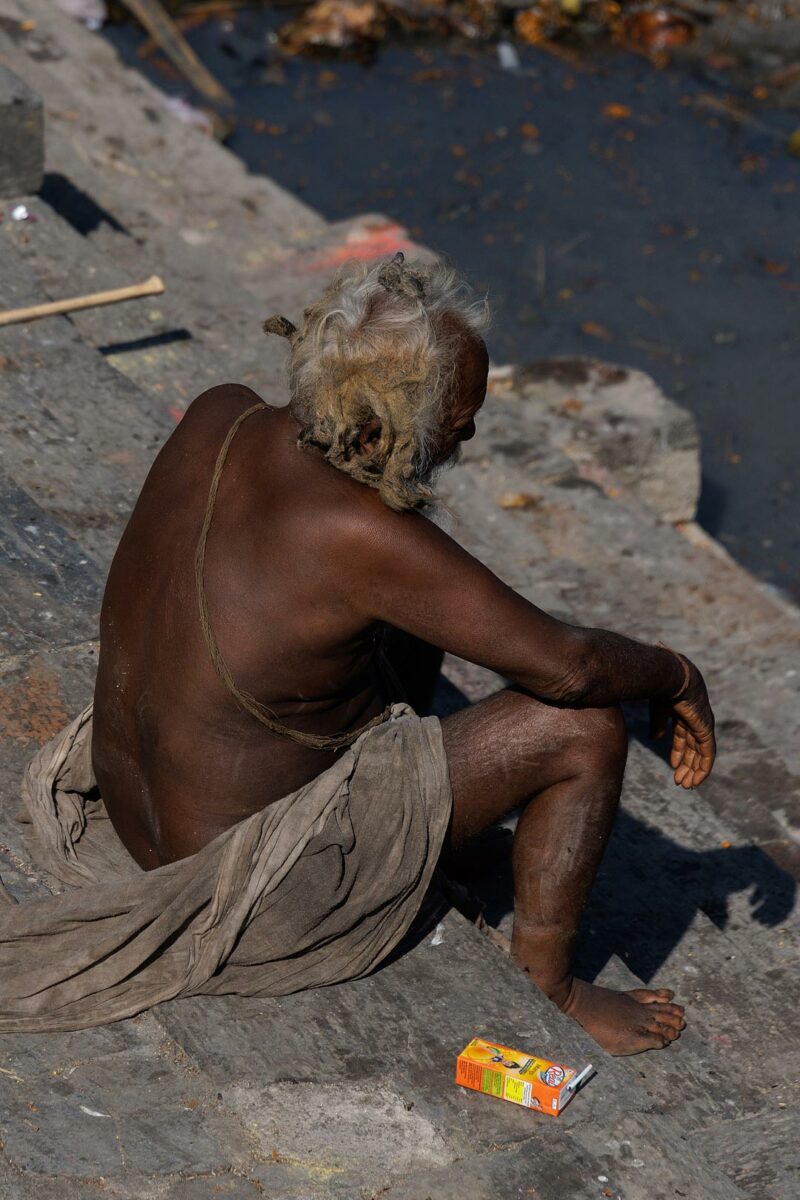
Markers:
point(146, 343)
point(83, 213)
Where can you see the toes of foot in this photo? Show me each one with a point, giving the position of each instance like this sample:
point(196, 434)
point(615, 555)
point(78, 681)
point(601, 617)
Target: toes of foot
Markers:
point(660, 997)
point(654, 1041)
point(666, 1031)
point(673, 1022)
point(671, 1014)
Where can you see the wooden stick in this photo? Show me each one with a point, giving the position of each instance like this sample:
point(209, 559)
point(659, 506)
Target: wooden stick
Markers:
point(151, 287)
point(160, 25)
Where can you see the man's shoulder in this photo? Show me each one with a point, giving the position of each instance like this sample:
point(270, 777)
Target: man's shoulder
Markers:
point(223, 398)
point(357, 526)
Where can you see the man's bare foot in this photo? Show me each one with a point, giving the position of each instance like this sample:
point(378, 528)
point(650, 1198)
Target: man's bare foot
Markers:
point(625, 1022)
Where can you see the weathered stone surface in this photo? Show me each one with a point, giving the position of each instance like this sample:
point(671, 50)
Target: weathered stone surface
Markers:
point(39, 692)
point(545, 1170)
point(50, 591)
point(227, 1187)
point(356, 1136)
point(632, 1161)
point(618, 427)
point(130, 1112)
point(760, 1153)
point(72, 429)
point(21, 137)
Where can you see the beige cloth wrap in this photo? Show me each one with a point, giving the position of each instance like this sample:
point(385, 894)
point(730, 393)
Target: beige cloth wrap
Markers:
point(315, 889)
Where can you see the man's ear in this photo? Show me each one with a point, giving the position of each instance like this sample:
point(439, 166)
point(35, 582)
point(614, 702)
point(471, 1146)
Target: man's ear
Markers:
point(369, 436)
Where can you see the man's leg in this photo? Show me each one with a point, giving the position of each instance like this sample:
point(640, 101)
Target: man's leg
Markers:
point(565, 768)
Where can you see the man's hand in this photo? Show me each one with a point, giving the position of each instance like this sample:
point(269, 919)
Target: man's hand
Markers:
point(693, 746)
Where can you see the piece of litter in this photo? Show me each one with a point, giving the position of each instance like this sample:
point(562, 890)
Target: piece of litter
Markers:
point(519, 1077)
point(19, 213)
point(93, 13)
point(518, 500)
point(602, 1179)
point(91, 1112)
point(187, 114)
point(438, 935)
point(507, 56)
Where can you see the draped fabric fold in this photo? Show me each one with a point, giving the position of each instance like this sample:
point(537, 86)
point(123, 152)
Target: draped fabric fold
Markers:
point(315, 889)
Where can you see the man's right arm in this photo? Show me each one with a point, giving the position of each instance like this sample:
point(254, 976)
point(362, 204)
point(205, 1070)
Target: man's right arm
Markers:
point(410, 574)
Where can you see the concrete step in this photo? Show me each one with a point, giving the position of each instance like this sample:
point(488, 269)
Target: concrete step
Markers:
point(76, 436)
point(49, 590)
point(349, 1069)
point(146, 340)
point(110, 119)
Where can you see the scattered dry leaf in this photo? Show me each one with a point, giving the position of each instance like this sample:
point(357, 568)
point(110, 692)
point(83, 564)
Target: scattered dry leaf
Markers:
point(333, 24)
point(657, 28)
point(596, 330)
point(518, 500)
point(531, 26)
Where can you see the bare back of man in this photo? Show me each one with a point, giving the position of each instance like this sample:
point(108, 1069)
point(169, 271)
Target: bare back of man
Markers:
point(177, 759)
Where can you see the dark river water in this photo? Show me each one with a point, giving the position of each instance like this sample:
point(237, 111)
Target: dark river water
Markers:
point(666, 236)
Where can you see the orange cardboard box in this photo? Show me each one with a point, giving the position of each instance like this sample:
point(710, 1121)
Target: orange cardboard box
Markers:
point(521, 1078)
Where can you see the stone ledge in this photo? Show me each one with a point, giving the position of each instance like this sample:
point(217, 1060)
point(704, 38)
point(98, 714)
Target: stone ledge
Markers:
point(21, 137)
point(617, 427)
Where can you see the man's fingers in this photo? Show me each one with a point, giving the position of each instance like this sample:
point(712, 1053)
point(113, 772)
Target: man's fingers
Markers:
point(693, 751)
point(693, 746)
point(678, 744)
point(694, 770)
point(681, 772)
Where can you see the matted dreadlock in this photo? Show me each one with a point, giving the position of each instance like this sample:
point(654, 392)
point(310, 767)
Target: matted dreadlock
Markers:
point(376, 346)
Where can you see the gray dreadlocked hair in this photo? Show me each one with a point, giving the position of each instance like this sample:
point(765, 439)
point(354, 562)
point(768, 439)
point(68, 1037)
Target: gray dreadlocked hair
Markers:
point(377, 346)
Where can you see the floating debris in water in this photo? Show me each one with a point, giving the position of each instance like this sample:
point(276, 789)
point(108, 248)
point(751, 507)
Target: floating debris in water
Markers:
point(508, 56)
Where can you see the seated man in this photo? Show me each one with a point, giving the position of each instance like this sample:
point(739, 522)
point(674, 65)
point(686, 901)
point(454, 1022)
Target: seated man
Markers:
point(278, 586)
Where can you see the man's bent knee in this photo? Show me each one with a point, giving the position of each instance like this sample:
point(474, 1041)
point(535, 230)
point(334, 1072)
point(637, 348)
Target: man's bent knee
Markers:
point(599, 735)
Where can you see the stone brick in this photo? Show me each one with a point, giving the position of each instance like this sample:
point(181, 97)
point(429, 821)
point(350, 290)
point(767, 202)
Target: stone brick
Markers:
point(21, 137)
